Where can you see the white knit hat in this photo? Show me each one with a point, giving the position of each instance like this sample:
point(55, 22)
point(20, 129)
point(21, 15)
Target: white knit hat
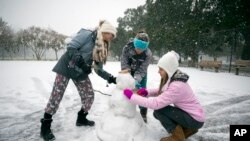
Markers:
point(108, 27)
point(169, 63)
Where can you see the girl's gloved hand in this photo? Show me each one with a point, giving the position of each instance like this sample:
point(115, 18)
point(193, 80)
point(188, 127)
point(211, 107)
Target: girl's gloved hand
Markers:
point(142, 92)
point(128, 93)
point(112, 79)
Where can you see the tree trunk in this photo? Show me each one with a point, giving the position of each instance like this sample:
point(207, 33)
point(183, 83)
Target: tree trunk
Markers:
point(24, 52)
point(38, 57)
point(246, 49)
point(2, 53)
point(56, 52)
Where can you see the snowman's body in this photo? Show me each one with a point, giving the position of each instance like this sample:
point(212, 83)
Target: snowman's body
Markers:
point(121, 122)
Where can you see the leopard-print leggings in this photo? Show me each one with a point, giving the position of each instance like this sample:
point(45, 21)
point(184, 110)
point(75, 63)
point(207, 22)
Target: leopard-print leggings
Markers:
point(84, 88)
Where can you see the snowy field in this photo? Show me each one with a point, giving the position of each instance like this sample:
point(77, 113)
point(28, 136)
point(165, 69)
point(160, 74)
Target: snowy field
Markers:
point(25, 87)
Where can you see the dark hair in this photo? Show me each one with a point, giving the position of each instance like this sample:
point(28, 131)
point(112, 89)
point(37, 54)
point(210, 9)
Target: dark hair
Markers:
point(142, 35)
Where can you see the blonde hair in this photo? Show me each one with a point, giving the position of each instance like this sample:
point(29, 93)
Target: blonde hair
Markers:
point(101, 48)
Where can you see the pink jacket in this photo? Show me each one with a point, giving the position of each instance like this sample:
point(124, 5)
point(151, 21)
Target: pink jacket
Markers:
point(177, 93)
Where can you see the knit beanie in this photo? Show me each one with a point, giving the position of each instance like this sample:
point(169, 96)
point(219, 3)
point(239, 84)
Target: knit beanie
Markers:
point(169, 63)
point(108, 27)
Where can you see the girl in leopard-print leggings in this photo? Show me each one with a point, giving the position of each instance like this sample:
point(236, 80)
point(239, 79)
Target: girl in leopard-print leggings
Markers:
point(87, 48)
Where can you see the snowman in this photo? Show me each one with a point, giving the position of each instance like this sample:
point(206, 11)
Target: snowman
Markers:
point(121, 122)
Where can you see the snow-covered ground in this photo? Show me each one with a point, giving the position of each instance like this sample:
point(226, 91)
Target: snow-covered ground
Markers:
point(25, 87)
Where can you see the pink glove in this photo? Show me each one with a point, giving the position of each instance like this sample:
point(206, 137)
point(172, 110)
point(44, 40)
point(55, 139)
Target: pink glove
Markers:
point(128, 93)
point(142, 92)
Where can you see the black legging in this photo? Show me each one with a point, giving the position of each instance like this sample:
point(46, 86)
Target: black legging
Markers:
point(170, 117)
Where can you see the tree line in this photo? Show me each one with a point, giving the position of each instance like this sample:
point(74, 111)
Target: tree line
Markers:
point(35, 38)
point(189, 26)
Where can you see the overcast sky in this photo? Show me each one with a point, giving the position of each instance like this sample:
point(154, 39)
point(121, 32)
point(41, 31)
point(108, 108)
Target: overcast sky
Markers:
point(64, 16)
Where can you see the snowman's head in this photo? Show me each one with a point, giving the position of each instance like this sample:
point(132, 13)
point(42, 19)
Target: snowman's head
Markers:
point(125, 80)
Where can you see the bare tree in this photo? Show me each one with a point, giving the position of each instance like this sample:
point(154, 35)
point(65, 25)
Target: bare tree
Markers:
point(39, 40)
point(35, 39)
point(56, 41)
point(7, 39)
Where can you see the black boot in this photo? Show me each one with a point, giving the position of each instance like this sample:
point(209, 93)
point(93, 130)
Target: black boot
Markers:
point(143, 112)
point(46, 132)
point(82, 120)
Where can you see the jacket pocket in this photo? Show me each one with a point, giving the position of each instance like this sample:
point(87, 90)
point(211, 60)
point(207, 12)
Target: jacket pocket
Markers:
point(74, 72)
